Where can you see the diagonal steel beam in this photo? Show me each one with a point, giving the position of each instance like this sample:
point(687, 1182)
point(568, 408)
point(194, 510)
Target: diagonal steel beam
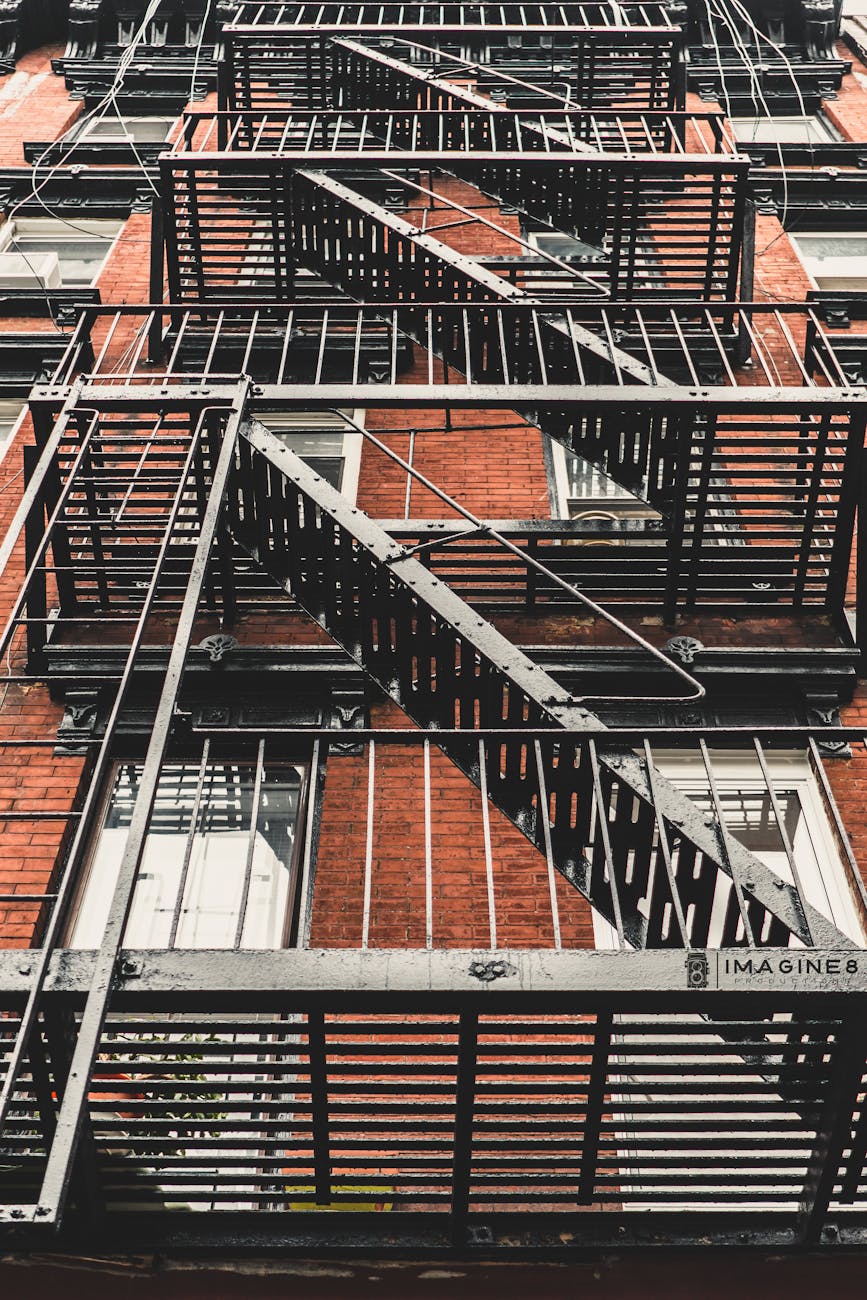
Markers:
point(407, 629)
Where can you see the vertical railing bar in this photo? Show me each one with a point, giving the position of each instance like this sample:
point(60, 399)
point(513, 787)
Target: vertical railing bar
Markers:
point(612, 348)
point(357, 344)
point(721, 351)
point(319, 1106)
point(486, 832)
point(724, 842)
point(757, 346)
point(70, 359)
point(305, 902)
point(782, 323)
point(409, 459)
point(428, 852)
point(287, 339)
point(213, 348)
point(251, 336)
point(185, 320)
point(576, 352)
point(549, 853)
point(784, 836)
point(188, 847)
point(145, 334)
point(602, 822)
point(665, 847)
point(251, 844)
point(651, 358)
point(368, 845)
point(107, 343)
point(430, 346)
point(684, 346)
point(320, 358)
point(595, 1107)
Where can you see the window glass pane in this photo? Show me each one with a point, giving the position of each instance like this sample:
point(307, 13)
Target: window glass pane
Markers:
point(832, 245)
point(585, 482)
point(321, 438)
point(32, 244)
point(563, 246)
point(790, 129)
point(80, 259)
point(202, 876)
point(142, 129)
point(9, 413)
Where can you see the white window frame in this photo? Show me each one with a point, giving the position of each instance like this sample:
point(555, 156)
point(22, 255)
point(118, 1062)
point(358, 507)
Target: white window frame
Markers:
point(14, 408)
point(278, 422)
point(88, 130)
point(559, 280)
point(829, 273)
point(98, 881)
point(621, 505)
point(824, 130)
point(823, 873)
point(49, 230)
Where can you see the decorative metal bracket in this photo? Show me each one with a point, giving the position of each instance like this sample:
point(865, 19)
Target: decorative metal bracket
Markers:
point(823, 711)
point(80, 722)
point(219, 646)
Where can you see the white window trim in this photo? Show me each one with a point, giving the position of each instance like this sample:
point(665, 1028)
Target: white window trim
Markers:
point(47, 228)
point(852, 269)
point(625, 507)
point(826, 888)
point(98, 881)
point(23, 407)
point(826, 132)
point(87, 131)
point(287, 421)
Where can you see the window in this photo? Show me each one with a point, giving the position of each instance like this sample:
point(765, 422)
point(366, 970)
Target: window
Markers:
point(325, 441)
point(11, 409)
point(834, 260)
point(715, 1113)
point(583, 491)
point(580, 486)
point(220, 861)
point(118, 130)
point(794, 129)
point(574, 252)
point(749, 815)
point(47, 252)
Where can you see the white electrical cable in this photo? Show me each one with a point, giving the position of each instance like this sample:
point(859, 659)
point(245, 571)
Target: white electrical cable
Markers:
point(756, 94)
point(794, 80)
point(96, 114)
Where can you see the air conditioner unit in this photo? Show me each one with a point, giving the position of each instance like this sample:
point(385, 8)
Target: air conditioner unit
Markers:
point(30, 271)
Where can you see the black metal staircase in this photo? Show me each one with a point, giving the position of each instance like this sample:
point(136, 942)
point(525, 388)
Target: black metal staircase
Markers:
point(658, 868)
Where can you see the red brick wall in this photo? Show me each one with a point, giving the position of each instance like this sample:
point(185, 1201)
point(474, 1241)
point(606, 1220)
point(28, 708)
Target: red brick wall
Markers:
point(34, 105)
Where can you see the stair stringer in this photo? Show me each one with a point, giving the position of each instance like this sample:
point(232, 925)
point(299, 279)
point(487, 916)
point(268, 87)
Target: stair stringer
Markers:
point(411, 634)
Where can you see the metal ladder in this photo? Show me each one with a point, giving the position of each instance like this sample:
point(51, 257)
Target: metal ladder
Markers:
point(658, 867)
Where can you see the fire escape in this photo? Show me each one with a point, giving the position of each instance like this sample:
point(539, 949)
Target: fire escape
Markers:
point(701, 1080)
